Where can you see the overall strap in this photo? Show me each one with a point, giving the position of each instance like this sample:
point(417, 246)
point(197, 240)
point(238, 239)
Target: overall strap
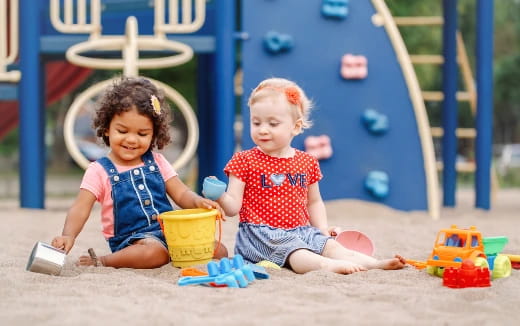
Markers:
point(148, 158)
point(110, 168)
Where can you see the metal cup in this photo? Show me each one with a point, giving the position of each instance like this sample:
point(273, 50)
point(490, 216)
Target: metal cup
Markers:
point(46, 259)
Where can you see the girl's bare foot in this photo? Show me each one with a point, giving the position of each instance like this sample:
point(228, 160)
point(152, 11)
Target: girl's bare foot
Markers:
point(343, 267)
point(90, 260)
point(394, 263)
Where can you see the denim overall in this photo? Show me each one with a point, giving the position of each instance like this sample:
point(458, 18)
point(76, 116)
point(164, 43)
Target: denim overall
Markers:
point(139, 196)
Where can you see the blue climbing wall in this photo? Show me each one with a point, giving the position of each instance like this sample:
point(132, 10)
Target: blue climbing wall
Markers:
point(319, 43)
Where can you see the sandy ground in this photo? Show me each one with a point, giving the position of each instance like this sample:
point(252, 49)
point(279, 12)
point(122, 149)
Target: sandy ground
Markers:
point(88, 295)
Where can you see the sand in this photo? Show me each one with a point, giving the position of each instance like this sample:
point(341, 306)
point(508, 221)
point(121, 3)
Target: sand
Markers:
point(101, 296)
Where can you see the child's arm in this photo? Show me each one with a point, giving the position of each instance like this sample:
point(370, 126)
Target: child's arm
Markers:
point(184, 197)
point(316, 207)
point(231, 200)
point(76, 218)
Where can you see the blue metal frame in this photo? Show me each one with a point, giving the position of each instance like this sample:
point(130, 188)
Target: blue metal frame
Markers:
point(223, 131)
point(484, 141)
point(450, 105)
point(32, 113)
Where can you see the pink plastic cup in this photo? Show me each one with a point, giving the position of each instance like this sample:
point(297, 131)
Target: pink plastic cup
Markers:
point(357, 241)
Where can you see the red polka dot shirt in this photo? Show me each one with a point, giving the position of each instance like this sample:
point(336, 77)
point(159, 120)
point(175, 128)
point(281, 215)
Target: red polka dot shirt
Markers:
point(276, 188)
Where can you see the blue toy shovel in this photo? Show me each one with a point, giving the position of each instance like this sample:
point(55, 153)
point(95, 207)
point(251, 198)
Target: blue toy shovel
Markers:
point(237, 276)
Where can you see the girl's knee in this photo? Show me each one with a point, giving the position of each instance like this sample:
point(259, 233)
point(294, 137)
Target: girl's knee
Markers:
point(154, 252)
point(157, 256)
point(330, 247)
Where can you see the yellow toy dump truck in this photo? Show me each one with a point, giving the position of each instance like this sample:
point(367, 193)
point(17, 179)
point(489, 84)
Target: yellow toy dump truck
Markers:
point(453, 246)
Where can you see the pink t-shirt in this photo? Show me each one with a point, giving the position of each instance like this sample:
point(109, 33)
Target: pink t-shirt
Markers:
point(97, 182)
point(276, 189)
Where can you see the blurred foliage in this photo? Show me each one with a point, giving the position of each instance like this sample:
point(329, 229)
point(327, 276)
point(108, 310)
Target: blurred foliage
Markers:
point(428, 40)
point(9, 144)
point(510, 179)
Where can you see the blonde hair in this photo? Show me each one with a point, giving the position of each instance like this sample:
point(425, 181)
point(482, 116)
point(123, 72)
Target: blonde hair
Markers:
point(295, 97)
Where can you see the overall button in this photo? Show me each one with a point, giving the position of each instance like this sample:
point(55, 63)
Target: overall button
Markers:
point(141, 187)
point(152, 168)
point(136, 172)
point(116, 178)
point(147, 202)
point(154, 217)
point(112, 171)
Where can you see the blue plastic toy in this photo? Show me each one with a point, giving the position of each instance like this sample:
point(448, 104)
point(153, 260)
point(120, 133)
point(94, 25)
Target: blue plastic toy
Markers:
point(275, 42)
point(213, 188)
point(335, 8)
point(376, 123)
point(377, 184)
point(233, 274)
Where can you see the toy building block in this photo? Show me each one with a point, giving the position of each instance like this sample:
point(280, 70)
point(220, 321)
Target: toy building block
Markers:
point(466, 276)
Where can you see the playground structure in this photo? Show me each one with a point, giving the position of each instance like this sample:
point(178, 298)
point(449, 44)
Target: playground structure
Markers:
point(375, 77)
point(130, 46)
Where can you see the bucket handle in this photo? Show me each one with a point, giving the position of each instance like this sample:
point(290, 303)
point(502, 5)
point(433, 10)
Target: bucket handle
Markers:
point(219, 219)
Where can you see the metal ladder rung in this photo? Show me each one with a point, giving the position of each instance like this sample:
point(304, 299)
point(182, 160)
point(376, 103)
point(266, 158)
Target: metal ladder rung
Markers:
point(461, 166)
point(419, 21)
point(437, 96)
point(459, 132)
point(427, 59)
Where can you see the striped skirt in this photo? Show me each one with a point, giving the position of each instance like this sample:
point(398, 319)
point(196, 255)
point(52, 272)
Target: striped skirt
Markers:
point(257, 242)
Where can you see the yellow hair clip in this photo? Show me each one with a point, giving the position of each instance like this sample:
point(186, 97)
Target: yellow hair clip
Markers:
point(156, 105)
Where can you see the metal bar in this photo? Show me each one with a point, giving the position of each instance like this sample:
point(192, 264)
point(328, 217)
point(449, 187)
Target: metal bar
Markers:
point(32, 114)
point(467, 75)
point(437, 96)
point(484, 120)
point(225, 97)
point(427, 59)
point(419, 21)
point(206, 114)
point(460, 132)
point(450, 109)
point(466, 167)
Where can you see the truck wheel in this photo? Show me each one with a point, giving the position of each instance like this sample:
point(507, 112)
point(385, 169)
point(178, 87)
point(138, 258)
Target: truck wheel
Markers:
point(431, 270)
point(501, 267)
point(481, 262)
point(435, 270)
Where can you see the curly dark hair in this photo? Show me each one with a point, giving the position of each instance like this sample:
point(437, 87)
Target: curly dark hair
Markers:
point(128, 93)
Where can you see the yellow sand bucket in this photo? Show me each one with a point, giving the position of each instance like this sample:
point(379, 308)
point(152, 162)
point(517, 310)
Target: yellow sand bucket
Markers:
point(190, 235)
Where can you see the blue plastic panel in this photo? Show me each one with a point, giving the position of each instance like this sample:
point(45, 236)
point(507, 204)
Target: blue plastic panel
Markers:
point(314, 63)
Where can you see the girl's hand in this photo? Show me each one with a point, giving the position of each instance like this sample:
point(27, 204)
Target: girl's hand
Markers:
point(210, 204)
point(63, 242)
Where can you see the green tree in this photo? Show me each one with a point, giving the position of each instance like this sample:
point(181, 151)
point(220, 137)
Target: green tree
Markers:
point(428, 40)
